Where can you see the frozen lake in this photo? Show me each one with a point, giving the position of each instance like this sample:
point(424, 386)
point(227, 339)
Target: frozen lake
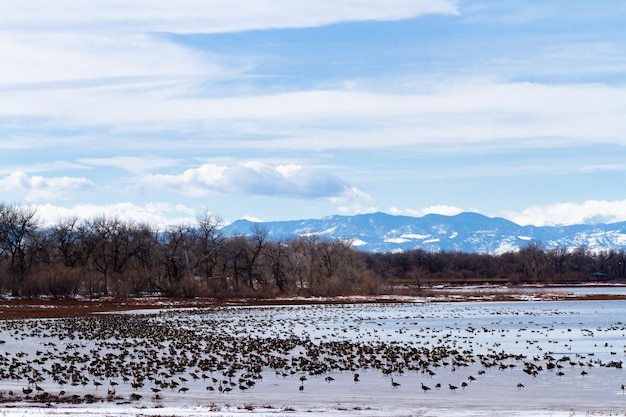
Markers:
point(610, 290)
point(511, 358)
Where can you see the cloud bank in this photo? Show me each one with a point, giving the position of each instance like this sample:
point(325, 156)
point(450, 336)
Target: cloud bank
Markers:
point(159, 215)
point(568, 213)
point(256, 179)
point(38, 188)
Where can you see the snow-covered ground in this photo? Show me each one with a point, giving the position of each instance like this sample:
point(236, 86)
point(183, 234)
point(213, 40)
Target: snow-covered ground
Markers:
point(302, 360)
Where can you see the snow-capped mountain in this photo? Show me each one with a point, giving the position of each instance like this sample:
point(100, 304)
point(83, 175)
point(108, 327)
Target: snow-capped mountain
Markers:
point(465, 232)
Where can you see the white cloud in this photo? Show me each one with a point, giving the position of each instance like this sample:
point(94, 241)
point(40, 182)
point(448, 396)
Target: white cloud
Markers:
point(205, 16)
point(72, 61)
point(159, 215)
point(85, 66)
point(257, 179)
point(356, 209)
point(560, 214)
point(75, 45)
point(252, 219)
point(37, 188)
point(513, 115)
point(39, 167)
point(568, 213)
point(436, 209)
point(100, 76)
point(352, 194)
point(162, 215)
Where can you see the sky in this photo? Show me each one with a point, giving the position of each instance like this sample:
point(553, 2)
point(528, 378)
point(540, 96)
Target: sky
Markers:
point(158, 111)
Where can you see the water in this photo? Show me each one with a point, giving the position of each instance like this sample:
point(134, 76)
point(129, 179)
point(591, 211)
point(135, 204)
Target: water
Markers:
point(619, 290)
point(488, 346)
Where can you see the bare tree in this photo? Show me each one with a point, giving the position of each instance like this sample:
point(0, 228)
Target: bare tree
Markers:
point(139, 269)
point(276, 255)
point(210, 243)
point(66, 240)
point(172, 258)
point(251, 252)
point(110, 244)
point(534, 260)
point(18, 226)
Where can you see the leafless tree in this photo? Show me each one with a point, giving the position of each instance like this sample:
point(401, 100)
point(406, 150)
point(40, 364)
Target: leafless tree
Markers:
point(277, 256)
point(18, 226)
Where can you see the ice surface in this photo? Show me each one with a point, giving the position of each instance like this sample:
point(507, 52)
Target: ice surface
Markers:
point(379, 343)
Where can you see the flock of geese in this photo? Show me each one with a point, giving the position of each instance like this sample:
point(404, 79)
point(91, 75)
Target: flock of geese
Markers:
point(153, 356)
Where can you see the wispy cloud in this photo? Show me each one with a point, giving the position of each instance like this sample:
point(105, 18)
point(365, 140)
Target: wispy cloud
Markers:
point(343, 113)
point(466, 114)
point(256, 179)
point(80, 61)
point(133, 164)
point(106, 74)
point(92, 45)
point(207, 16)
point(23, 167)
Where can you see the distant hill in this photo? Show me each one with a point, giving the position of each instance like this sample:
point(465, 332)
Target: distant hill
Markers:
point(464, 232)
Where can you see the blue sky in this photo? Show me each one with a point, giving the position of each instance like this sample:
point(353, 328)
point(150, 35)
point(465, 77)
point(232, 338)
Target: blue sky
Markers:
point(279, 109)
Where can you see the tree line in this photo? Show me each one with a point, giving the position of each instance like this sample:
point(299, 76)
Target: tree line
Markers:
point(108, 256)
point(529, 265)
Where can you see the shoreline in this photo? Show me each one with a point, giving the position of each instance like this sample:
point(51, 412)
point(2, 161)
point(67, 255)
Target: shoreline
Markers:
point(19, 308)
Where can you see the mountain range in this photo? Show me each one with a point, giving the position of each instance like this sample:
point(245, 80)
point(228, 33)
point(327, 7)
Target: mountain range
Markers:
point(464, 232)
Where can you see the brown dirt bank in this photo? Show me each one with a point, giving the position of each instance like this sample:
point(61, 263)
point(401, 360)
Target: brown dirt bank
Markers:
point(50, 308)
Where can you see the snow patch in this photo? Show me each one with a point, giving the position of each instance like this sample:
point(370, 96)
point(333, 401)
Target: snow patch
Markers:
point(328, 231)
point(406, 237)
